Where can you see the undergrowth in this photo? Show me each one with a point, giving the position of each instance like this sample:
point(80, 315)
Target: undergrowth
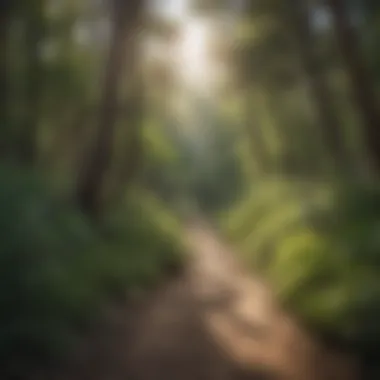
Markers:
point(57, 271)
point(318, 244)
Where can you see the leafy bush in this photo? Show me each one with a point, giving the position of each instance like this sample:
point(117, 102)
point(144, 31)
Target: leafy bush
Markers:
point(319, 245)
point(144, 240)
point(56, 270)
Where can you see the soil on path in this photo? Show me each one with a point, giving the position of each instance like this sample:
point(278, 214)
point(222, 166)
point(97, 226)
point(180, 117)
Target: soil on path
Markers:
point(215, 322)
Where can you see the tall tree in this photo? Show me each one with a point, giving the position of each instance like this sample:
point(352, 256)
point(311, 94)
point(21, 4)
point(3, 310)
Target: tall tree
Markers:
point(362, 88)
point(5, 10)
point(126, 17)
point(6, 15)
point(34, 15)
point(317, 84)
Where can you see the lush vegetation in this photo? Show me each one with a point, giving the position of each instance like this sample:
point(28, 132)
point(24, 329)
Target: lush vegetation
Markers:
point(309, 223)
point(103, 148)
point(58, 270)
point(318, 246)
point(81, 224)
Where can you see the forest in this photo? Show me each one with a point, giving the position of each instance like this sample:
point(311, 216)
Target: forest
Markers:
point(150, 149)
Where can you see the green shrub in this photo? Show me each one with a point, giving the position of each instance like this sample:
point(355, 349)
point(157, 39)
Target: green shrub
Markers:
point(319, 245)
point(56, 270)
point(144, 240)
point(45, 285)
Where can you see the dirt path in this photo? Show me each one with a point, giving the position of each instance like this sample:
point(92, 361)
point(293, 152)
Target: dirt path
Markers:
point(214, 323)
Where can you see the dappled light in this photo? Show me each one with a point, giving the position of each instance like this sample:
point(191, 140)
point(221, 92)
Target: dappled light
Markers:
point(189, 190)
point(192, 53)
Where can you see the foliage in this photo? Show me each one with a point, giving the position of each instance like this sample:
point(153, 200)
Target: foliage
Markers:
point(57, 269)
point(302, 106)
point(318, 245)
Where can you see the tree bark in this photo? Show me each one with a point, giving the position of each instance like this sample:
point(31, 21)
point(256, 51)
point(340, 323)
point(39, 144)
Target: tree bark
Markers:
point(34, 35)
point(6, 8)
point(362, 89)
point(318, 87)
point(257, 142)
point(126, 15)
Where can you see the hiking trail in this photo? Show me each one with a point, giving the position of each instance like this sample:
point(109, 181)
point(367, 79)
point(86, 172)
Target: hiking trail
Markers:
point(214, 322)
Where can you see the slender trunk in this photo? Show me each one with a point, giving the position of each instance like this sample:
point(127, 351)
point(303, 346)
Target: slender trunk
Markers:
point(5, 15)
point(126, 17)
point(130, 157)
point(256, 139)
point(252, 113)
point(362, 88)
point(34, 34)
point(318, 87)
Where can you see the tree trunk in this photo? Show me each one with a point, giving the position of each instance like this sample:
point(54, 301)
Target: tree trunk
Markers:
point(362, 88)
point(252, 111)
point(126, 15)
point(318, 87)
point(257, 142)
point(130, 155)
point(34, 34)
point(6, 8)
